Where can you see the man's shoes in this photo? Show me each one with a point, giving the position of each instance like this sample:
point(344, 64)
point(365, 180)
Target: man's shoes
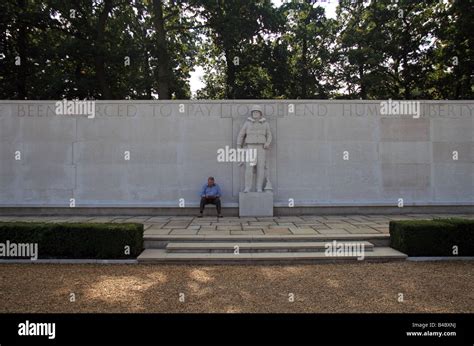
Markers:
point(200, 215)
point(220, 215)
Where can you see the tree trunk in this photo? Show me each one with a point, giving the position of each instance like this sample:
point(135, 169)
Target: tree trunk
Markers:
point(100, 51)
point(304, 69)
point(230, 75)
point(164, 72)
point(406, 76)
point(231, 70)
point(22, 51)
point(363, 88)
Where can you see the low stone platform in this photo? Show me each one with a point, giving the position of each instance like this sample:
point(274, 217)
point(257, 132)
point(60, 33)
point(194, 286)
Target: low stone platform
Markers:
point(264, 249)
point(284, 239)
point(284, 257)
point(271, 240)
point(282, 225)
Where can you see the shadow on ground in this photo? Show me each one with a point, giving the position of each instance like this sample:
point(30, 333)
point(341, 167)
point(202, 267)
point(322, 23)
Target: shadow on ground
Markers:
point(355, 287)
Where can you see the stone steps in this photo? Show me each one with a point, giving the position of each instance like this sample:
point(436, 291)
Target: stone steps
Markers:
point(161, 241)
point(263, 249)
point(162, 256)
point(256, 247)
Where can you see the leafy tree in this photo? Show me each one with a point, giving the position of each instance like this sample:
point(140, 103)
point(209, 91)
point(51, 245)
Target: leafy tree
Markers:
point(145, 49)
point(307, 35)
point(233, 26)
point(453, 56)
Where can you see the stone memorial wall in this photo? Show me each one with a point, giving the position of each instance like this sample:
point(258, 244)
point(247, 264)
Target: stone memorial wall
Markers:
point(159, 154)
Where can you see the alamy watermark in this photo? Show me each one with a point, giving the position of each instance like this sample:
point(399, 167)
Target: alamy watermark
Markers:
point(75, 107)
point(11, 249)
point(345, 249)
point(37, 329)
point(228, 154)
point(390, 107)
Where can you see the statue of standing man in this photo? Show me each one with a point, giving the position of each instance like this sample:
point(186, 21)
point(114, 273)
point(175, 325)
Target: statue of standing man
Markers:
point(256, 135)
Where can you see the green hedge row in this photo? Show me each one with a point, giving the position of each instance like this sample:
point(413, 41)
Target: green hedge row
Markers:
point(433, 237)
point(77, 240)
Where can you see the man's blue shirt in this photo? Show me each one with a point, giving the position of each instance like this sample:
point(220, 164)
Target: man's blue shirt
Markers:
point(213, 190)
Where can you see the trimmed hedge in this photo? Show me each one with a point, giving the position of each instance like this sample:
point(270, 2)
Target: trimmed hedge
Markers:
point(77, 240)
point(433, 237)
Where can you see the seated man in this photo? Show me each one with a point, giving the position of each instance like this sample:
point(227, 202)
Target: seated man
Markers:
point(210, 194)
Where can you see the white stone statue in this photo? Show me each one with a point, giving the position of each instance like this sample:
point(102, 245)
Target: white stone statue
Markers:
point(256, 135)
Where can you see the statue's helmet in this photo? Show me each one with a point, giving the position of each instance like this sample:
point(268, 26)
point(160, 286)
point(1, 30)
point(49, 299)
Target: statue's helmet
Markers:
point(256, 108)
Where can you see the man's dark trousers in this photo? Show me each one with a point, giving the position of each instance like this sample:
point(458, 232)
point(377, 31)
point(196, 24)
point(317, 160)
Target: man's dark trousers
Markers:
point(216, 201)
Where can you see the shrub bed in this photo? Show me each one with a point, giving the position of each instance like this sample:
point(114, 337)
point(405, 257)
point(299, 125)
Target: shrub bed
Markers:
point(433, 237)
point(76, 240)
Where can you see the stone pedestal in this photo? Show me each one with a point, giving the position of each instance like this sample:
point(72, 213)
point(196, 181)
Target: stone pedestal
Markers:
point(256, 204)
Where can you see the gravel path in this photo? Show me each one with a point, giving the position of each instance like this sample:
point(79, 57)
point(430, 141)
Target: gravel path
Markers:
point(358, 287)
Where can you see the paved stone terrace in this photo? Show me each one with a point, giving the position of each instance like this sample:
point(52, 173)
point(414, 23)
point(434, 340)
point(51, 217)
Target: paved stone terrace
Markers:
point(210, 225)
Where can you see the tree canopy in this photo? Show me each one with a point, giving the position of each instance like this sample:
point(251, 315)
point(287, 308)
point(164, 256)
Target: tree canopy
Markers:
point(146, 49)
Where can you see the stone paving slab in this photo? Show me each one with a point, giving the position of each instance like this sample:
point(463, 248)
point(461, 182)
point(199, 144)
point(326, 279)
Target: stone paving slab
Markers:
point(213, 232)
point(202, 224)
point(177, 224)
point(208, 228)
point(102, 219)
point(253, 232)
point(157, 231)
point(273, 231)
point(316, 227)
point(284, 224)
point(194, 227)
point(263, 223)
point(289, 219)
point(156, 225)
point(236, 227)
point(138, 218)
point(332, 231)
point(124, 220)
point(252, 228)
point(295, 230)
point(159, 219)
point(361, 230)
point(229, 222)
point(184, 231)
